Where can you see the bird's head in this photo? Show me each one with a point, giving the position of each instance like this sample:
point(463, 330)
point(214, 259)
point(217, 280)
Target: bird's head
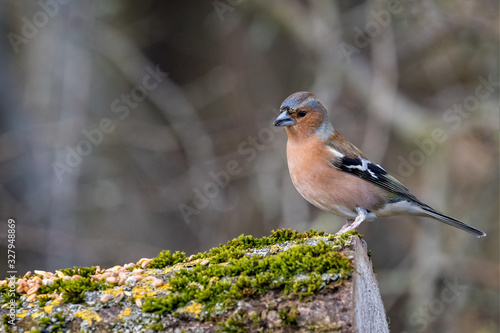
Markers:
point(303, 115)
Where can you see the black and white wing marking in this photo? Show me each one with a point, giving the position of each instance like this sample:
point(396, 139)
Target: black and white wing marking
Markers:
point(373, 173)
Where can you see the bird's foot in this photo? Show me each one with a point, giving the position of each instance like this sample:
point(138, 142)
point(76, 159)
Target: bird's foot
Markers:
point(352, 225)
point(346, 227)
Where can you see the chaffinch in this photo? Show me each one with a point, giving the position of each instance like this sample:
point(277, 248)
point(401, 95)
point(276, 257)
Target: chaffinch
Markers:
point(335, 176)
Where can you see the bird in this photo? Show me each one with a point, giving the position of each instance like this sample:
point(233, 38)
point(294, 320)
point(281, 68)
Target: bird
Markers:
point(335, 176)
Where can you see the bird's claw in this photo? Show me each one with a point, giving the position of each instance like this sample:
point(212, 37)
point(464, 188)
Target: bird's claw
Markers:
point(347, 227)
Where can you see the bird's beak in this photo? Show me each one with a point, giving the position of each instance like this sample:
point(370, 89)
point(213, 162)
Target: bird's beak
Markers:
point(284, 120)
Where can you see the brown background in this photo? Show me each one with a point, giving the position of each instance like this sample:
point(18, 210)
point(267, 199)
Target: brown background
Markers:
point(393, 76)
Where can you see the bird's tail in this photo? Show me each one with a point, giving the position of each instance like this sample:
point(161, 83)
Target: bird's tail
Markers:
point(429, 211)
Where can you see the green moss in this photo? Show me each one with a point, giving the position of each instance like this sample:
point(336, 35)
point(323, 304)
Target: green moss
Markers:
point(165, 258)
point(131, 269)
point(235, 323)
point(307, 286)
point(7, 296)
point(236, 248)
point(5, 323)
point(55, 324)
point(256, 319)
point(233, 275)
point(43, 299)
point(345, 238)
point(283, 235)
point(289, 315)
point(4, 289)
point(224, 253)
point(156, 327)
point(82, 271)
point(73, 291)
point(44, 322)
point(60, 317)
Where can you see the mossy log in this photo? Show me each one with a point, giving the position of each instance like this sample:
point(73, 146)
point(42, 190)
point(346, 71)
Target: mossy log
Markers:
point(287, 282)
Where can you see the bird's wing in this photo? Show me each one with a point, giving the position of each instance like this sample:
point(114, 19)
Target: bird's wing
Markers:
point(375, 174)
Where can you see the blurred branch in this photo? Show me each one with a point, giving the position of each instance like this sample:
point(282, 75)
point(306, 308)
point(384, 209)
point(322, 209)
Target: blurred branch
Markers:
point(385, 78)
point(169, 98)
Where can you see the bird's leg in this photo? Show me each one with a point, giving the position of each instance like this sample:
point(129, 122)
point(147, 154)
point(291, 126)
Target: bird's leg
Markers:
point(362, 213)
point(345, 227)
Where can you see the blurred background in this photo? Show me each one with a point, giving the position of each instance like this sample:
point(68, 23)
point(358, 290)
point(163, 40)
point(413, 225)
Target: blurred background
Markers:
point(129, 127)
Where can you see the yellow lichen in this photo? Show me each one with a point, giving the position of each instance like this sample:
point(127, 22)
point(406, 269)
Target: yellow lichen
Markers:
point(177, 266)
point(165, 287)
point(113, 292)
point(22, 314)
point(166, 270)
point(48, 308)
point(275, 248)
point(124, 313)
point(141, 292)
point(194, 308)
point(37, 314)
point(89, 316)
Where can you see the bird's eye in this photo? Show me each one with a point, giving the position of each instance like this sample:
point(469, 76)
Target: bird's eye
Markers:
point(302, 113)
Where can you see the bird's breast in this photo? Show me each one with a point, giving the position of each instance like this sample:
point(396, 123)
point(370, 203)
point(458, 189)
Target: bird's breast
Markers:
point(326, 187)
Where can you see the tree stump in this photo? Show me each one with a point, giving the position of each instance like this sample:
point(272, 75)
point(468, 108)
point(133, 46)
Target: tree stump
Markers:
point(287, 282)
